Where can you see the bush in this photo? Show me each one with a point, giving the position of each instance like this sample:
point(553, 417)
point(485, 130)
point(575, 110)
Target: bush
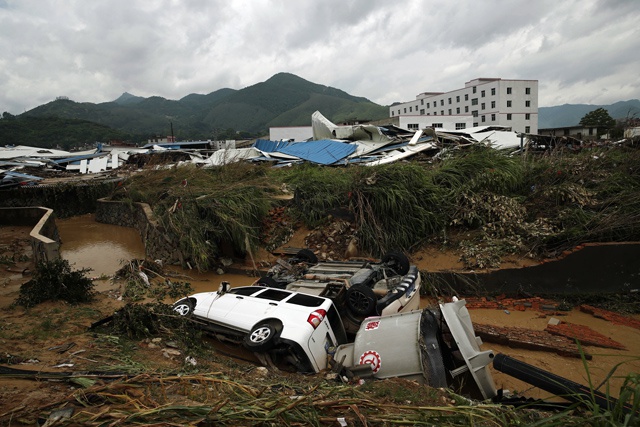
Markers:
point(54, 280)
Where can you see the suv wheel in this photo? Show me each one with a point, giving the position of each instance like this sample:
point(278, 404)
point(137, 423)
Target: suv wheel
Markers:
point(397, 261)
point(184, 307)
point(307, 256)
point(262, 337)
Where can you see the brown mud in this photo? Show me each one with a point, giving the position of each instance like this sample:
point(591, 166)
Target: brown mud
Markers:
point(29, 336)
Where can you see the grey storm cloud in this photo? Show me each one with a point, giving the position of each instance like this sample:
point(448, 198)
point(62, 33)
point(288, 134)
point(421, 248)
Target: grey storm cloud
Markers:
point(579, 51)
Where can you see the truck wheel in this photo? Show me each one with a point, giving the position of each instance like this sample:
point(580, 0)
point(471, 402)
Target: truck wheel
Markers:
point(397, 261)
point(361, 300)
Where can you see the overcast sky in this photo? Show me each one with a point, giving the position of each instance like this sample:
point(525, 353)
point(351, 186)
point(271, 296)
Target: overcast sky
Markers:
point(583, 51)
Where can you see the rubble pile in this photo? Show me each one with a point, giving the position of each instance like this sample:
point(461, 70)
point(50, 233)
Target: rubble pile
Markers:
point(333, 242)
point(584, 334)
point(528, 339)
point(612, 317)
point(501, 302)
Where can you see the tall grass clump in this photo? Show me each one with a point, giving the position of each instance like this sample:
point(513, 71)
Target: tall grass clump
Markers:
point(589, 196)
point(318, 190)
point(396, 207)
point(201, 208)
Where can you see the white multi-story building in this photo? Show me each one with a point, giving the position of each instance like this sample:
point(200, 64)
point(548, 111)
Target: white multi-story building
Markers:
point(482, 102)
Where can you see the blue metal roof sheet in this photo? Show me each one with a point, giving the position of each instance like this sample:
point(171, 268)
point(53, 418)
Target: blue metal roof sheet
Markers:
point(324, 151)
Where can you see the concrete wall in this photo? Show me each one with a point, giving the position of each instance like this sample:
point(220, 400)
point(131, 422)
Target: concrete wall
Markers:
point(44, 237)
point(157, 242)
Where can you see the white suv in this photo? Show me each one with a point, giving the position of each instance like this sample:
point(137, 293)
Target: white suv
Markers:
point(300, 327)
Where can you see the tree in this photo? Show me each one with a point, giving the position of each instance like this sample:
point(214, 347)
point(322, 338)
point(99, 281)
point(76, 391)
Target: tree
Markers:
point(598, 118)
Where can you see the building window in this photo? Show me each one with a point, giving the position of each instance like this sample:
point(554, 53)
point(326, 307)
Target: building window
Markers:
point(493, 91)
point(422, 112)
point(449, 111)
point(527, 91)
point(527, 116)
point(493, 104)
point(590, 131)
point(474, 101)
point(460, 126)
point(475, 124)
point(508, 91)
point(474, 113)
point(466, 108)
point(527, 103)
point(449, 100)
point(483, 119)
point(527, 129)
point(435, 113)
point(474, 89)
point(458, 98)
point(405, 110)
point(466, 96)
point(422, 102)
point(482, 94)
point(493, 117)
point(441, 102)
point(508, 104)
point(410, 109)
point(482, 106)
point(508, 116)
point(428, 105)
point(442, 112)
point(412, 126)
point(458, 110)
point(428, 114)
point(436, 125)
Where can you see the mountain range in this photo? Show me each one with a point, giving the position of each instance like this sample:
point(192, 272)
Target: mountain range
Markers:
point(283, 100)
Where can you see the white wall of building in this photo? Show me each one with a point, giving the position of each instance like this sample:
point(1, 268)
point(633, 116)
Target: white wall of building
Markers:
point(493, 101)
point(415, 122)
point(297, 133)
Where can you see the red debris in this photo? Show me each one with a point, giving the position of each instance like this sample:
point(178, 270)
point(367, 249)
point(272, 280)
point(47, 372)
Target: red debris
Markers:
point(529, 339)
point(584, 334)
point(612, 317)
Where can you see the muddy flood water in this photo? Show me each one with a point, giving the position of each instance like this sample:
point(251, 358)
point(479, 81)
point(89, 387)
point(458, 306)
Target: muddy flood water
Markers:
point(102, 247)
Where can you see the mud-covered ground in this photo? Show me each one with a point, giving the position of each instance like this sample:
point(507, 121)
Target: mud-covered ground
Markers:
point(53, 337)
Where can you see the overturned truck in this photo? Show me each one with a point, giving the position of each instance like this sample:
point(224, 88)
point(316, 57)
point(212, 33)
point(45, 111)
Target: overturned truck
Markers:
point(434, 346)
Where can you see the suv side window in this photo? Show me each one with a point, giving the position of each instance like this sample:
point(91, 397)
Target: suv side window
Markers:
point(273, 294)
point(246, 291)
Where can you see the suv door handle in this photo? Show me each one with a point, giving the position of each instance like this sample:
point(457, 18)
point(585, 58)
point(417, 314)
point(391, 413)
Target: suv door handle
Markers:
point(239, 297)
point(272, 303)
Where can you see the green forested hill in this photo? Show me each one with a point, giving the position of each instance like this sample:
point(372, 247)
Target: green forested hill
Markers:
point(51, 132)
point(282, 100)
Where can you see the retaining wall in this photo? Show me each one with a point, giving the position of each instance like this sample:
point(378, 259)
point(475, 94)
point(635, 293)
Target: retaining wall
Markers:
point(158, 243)
point(66, 199)
point(44, 237)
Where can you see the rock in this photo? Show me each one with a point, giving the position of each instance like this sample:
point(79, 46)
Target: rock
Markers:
point(261, 371)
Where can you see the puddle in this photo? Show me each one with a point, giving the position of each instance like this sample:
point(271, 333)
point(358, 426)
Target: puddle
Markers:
point(101, 247)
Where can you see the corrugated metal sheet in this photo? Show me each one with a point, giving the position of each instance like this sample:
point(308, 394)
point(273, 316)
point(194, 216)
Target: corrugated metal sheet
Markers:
point(324, 151)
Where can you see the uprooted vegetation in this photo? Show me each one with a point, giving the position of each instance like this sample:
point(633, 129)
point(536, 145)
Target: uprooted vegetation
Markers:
point(482, 202)
point(55, 280)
